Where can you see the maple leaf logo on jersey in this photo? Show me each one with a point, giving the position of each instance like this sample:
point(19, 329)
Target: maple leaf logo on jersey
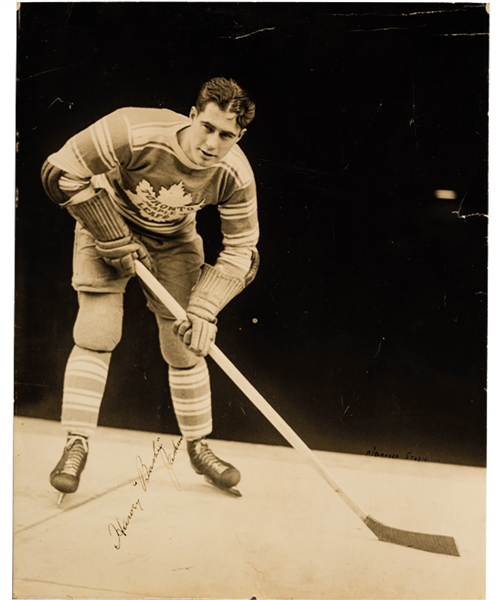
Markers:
point(168, 203)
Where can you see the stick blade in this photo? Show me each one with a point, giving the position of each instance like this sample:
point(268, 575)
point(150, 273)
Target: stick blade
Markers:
point(439, 544)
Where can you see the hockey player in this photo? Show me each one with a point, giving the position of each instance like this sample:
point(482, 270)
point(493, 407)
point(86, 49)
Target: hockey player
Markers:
point(134, 181)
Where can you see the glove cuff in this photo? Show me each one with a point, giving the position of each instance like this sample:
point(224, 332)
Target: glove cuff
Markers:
point(213, 291)
point(112, 244)
point(198, 311)
point(98, 215)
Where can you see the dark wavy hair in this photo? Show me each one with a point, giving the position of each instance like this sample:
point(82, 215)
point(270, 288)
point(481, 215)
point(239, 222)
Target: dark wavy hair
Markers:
point(228, 96)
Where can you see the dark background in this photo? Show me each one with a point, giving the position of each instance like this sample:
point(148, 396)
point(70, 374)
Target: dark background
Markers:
point(366, 324)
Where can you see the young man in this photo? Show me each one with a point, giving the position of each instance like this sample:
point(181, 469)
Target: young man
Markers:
point(134, 181)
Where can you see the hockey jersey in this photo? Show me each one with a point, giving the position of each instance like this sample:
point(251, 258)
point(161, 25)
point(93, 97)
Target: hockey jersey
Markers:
point(134, 154)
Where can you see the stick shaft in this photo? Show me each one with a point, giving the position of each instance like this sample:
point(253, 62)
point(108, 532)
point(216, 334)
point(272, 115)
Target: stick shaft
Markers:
point(280, 424)
point(248, 389)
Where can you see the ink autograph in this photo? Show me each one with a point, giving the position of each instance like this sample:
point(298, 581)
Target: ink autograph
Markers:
point(168, 460)
point(120, 530)
point(144, 473)
point(409, 455)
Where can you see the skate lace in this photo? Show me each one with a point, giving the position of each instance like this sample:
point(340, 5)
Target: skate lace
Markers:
point(76, 453)
point(208, 458)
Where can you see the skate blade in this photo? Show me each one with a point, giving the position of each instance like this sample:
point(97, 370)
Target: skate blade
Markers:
point(231, 491)
point(61, 498)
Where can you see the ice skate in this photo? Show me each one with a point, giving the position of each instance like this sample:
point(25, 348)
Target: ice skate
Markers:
point(66, 475)
point(217, 472)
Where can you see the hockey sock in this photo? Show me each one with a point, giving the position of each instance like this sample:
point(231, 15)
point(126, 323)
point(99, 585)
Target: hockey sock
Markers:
point(84, 383)
point(192, 401)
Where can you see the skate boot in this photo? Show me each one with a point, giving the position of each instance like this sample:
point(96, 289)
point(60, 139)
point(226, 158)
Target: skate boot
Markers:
point(217, 472)
point(66, 475)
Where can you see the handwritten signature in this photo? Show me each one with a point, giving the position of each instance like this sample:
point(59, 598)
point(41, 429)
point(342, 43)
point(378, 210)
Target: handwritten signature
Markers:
point(144, 473)
point(408, 456)
point(122, 527)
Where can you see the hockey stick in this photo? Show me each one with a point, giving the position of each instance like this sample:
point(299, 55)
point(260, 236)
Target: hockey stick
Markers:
point(439, 544)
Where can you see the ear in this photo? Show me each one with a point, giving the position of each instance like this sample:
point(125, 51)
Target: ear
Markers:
point(242, 133)
point(193, 113)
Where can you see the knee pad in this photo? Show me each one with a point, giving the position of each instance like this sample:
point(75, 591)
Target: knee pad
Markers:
point(174, 352)
point(98, 324)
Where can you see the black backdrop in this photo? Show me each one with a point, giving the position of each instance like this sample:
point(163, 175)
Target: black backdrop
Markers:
point(366, 325)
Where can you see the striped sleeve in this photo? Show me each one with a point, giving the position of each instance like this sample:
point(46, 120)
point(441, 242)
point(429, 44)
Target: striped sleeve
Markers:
point(97, 149)
point(240, 231)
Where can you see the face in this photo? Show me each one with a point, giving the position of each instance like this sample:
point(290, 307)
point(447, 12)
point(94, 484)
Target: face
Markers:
point(211, 136)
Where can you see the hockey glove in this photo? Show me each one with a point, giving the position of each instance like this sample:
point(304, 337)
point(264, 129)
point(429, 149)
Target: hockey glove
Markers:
point(211, 293)
point(196, 332)
point(115, 243)
point(214, 289)
point(121, 254)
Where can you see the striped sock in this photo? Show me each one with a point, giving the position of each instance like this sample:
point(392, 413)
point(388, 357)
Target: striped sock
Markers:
point(192, 400)
point(84, 383)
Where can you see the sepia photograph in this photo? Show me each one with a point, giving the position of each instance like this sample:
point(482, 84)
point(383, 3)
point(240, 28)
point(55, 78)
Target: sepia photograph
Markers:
point(251, 300)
